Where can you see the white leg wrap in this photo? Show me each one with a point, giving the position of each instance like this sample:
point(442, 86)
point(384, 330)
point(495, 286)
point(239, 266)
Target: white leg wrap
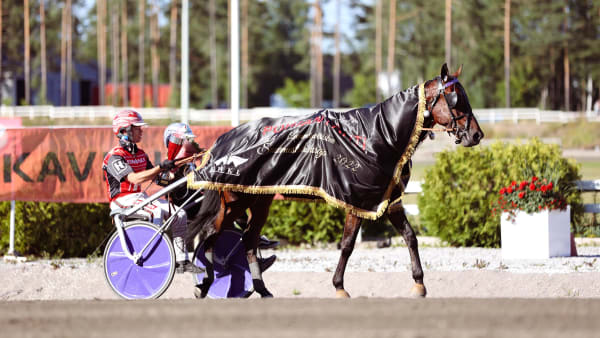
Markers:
point(208, 256)
point(180, 252)
point(255, 271)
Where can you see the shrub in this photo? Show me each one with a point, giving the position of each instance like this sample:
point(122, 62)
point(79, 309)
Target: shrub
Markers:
point(459, 190)
point(300, 222)
point(55, 229)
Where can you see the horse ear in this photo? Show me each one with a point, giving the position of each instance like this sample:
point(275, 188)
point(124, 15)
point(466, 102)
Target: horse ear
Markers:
point(444, 73)
point(457, 74)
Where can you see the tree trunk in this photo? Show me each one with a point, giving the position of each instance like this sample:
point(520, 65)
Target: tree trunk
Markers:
point(1, 74)
point(378, 48)
point(114, 23)
point(141, 41)
point(448, 35)
point(69, 52)
point(244, 45)
point(316, 82)
point(124, 61)
point(154, 36)
point(566, 66)
point(213, 55)
point(391, 44)
point(63, 56)
point(337, 58)
point(566, 79)
point(319, 56)
point(101, 40)
point(173, 54)
point(27, 51)
point(43, 51)
point(507, 53)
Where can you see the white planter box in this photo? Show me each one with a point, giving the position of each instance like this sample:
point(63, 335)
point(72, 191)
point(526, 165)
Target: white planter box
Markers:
point(540, 235)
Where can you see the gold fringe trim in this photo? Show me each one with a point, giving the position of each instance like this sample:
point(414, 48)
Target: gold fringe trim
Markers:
point(314, 191)
point(414, 138)
point(289, 189)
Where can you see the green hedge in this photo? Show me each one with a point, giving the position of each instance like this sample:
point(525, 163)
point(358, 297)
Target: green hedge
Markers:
point(458, 191)
point(55, 229)
point(76, 230)
point(300, 222)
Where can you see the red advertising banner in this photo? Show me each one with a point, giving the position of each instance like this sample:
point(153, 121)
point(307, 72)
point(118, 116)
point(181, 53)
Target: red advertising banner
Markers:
point(65, 164)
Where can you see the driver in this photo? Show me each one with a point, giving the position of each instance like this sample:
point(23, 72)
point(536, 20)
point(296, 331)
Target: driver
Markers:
point(126, 167)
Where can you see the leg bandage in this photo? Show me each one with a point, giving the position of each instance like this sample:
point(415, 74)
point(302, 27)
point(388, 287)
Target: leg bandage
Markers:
point(180, 252)
point(255, 271)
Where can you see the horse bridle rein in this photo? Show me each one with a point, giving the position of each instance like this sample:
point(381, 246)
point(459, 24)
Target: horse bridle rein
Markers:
point(451, 101)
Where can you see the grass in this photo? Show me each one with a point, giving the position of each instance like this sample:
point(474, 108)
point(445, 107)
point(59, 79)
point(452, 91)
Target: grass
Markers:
point(580, 134)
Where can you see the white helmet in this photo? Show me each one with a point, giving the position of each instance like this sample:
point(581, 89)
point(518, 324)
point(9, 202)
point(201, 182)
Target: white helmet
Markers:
point(179, 131)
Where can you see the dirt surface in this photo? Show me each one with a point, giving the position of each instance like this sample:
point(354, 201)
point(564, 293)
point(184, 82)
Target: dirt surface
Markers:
point(308, 317)
point(69, 298)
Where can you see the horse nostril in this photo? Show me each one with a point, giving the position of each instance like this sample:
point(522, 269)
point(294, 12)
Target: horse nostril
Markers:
point(477, 137)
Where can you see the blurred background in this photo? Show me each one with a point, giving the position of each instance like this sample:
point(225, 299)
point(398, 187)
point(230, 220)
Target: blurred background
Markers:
point(296, 53)
point(530, 67)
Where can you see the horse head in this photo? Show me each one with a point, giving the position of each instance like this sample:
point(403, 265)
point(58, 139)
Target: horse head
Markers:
point(447, 101)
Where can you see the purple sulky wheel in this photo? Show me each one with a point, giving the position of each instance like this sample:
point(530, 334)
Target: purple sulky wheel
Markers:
point(151, 277)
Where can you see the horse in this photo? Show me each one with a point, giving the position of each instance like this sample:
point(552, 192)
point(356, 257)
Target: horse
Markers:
point(444, 102)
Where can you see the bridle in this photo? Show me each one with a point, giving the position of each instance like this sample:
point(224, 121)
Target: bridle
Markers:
point(451, 101)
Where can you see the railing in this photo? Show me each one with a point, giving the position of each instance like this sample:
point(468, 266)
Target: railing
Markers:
point(584, 186)
point(491, 115)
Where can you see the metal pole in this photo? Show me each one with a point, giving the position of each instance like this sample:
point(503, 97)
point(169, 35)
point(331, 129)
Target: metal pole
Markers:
point(11, 245)
point(185, 62)
point(235, 64)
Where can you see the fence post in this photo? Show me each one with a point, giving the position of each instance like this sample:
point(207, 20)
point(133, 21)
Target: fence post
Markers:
point(11, 245)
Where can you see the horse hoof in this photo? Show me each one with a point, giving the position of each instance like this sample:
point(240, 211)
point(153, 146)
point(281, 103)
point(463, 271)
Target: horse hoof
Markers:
point(341, 294)
point(265, 293)
point(418, 291)
point(198, 292)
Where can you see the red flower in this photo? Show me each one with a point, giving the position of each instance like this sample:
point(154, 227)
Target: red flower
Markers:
point(521, 194)
point(539, 206)
point(502, 191)
point(550, 185)
point(533, 179)
point(532, 186)
point(509, 190)
point(543, 188)
point(522, 185)
point(513, 183)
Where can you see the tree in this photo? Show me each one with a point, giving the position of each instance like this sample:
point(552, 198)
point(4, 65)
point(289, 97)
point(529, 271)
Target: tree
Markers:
point(114, 28)
point(1, 55)
point(154, 40)
point(141, 49)
point(173, 53)
point(27, 51)
point(43, 51)
point(101, 41)
point(124, 49)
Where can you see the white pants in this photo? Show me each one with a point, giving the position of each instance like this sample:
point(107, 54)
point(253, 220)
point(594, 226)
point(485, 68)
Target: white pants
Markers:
point(158, 211)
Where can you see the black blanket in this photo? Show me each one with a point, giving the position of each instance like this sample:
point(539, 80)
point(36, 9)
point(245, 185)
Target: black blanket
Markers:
point(352, 159)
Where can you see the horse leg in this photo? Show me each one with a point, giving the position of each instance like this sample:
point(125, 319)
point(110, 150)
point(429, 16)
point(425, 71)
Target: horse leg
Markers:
point(210, 232)
point(399, 221)
point(258, 216)
point(201, 290)
point(351, 228)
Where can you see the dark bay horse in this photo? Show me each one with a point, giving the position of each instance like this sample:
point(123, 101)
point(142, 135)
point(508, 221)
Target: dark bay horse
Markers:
point(446, 104)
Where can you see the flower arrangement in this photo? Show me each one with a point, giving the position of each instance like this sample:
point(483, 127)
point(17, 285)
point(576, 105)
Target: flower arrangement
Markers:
point(530, 196)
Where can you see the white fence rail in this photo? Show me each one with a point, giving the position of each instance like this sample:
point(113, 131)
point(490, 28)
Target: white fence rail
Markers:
point(584, 186)
point(491, 115)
